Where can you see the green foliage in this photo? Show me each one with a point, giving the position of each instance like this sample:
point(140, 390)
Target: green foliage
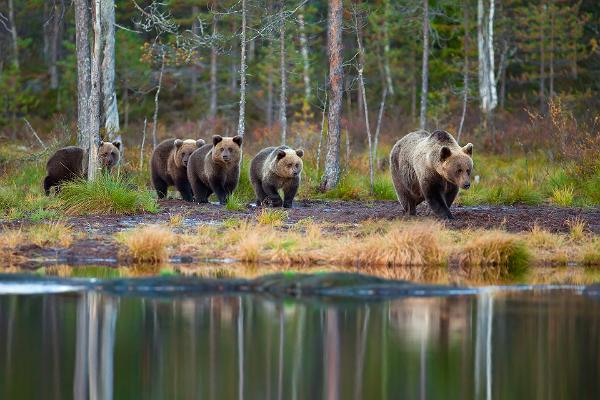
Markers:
point(105, 195)
point(234, 203)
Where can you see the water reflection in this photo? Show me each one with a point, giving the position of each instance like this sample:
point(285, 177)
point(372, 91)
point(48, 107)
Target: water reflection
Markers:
point(495, 345)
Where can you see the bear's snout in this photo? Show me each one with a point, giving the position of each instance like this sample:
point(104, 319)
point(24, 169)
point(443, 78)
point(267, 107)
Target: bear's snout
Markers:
point(467, 185)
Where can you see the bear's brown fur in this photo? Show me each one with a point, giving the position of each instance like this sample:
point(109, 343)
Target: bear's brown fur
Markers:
point(430, 167)
point(215, 168)
point(169, 166)
point(70, 163)
point(276, 168)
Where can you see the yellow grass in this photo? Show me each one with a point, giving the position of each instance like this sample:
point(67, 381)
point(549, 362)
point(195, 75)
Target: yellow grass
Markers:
point(577, 229)
point(51, 234)
point(147, 244)
point(272, 216)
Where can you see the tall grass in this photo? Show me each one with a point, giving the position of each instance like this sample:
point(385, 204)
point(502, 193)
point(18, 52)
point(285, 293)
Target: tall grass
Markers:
point(105, 195)
point(147, 244)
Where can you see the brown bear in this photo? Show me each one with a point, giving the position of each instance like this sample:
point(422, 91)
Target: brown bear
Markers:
point(70, 163)
point(430, 167)
point(169, 166)
point(215, 168)
point(276, 168)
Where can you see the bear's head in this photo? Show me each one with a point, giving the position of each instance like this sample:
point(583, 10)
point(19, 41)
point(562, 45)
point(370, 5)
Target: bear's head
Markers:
point(456, 165)
point(184, 149)
point(288, 162)
point(109, 154)
point(226, 150)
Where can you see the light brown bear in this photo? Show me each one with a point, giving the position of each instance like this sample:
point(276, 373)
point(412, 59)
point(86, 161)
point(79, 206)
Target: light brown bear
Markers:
point(169, 166)
point(276, 168)
point(215, 168)
point(70, 163)
point(430, 167)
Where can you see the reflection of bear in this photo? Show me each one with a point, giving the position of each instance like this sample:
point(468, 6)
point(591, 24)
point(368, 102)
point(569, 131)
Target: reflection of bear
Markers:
point(169, 166)
point(215, 168)
point(276, 168)
point(430, 167)
point(68, 163)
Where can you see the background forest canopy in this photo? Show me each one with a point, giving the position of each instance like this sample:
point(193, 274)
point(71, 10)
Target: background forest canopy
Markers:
point(542, 90)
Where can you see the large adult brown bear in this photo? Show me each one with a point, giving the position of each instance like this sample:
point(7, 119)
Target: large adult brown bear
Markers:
point(215, 168)
point(169, 166)
point(70, 163)
point(432, 167)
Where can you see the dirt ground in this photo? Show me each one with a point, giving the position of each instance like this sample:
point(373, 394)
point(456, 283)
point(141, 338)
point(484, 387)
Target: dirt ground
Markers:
point(97, 245)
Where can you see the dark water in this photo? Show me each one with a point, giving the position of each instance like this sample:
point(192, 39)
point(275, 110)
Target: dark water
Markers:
point(497, 344)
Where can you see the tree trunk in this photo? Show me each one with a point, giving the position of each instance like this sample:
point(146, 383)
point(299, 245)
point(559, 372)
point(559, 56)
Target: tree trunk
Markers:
point(82, 32)
point(485, 47)
point(386, 49)
point(361, 57)
point(194, 63)
point(321, 135)
point(542, 63)
point(413, 85)
point(13, 33)
point(109, 93)
point(379, 118)
point(283, 72)
point(336, 81)
point(305, 60)
point(465, 70)
point(93, 131)
point(213, 72)
point(52, 39)
point(242, 115)
point(156, 96)
point(551, 62)
point(425, 66)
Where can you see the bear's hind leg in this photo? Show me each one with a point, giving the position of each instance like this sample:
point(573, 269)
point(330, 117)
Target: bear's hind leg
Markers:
point(259, 192)
point(200, 190)
point(185, 189)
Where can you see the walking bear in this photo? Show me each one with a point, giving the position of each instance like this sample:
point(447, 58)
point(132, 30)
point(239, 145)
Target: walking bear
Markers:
point(432, 167)
point(215, 168)
point(70, 163)
point(169, 166)
point(276, 168)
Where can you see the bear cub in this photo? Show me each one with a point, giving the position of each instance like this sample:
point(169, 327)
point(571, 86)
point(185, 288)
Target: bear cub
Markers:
point(215, 168)
point(70, 163)
point(432, 167)
point(276, 168)
point(169, 166)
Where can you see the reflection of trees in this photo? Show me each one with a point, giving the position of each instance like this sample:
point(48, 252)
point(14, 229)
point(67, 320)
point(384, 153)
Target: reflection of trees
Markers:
point(96, 321)
point(483, 343)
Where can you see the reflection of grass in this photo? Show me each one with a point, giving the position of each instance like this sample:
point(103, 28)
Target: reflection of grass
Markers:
point(147, 244)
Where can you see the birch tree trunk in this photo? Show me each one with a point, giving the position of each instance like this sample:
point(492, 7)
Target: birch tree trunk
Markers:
point(283, 72)
point(425, 67)
point(52, 39)
point(336, 74)
point(109, 93)
point(465, 70)
point(213, 71)
point(485, 47)
point(13, 33)
point(305, 59)
point(82, 32)
point(542, 62)
point(242, 115)
point(551, 61)
point(386, 49)
point(156, 97)
point(93, 129)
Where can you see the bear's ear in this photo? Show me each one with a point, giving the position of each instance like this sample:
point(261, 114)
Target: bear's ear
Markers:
point(200, 142)
point(217, 139)
point(178, 143)
point(280, 154)
point(445, 153)
point(468, 149)
point(117, 144)
point(238, 140)
point(300, 153)
point(100, 144)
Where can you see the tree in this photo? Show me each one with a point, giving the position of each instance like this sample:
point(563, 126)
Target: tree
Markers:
point(82, 32)
point(331, 174)
point(13, 33)
point(109, 94)
point(283, 72)
point(485, 49)
point(425, 66)
point(305, 59)
point(213, 71)
point(242, 114)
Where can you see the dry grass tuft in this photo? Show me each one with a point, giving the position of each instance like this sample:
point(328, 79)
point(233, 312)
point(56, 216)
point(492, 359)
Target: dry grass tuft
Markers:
point(176, 220)
point(577, 228)
point(495, 253)
point(272, 216)
point(147, 244)
point(540, 238)
point(591, 253)
point(51, 234)
point(413, 244)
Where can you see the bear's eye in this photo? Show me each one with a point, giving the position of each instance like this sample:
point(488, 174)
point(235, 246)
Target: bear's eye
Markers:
point(297, 165)
point(468, 172)
point(290, 165)
point(460, 171)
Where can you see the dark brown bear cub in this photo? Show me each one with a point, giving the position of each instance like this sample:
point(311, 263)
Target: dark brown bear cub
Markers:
point(215, 168)
point(70, 163)
point(432, 167)
point(169, 166)
point(276, 168)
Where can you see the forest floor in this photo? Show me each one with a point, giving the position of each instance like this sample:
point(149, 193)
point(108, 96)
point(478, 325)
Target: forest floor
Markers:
point(94, 240)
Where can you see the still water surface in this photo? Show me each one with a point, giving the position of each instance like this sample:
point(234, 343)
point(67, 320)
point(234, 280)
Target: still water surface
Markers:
point(494, 344)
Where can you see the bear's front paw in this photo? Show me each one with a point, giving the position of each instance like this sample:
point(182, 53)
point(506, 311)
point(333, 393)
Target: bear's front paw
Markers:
point(272, 202)
point(287, 204)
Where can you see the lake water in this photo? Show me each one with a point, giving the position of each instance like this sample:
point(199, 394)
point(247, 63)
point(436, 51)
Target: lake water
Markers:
point(153, 340)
